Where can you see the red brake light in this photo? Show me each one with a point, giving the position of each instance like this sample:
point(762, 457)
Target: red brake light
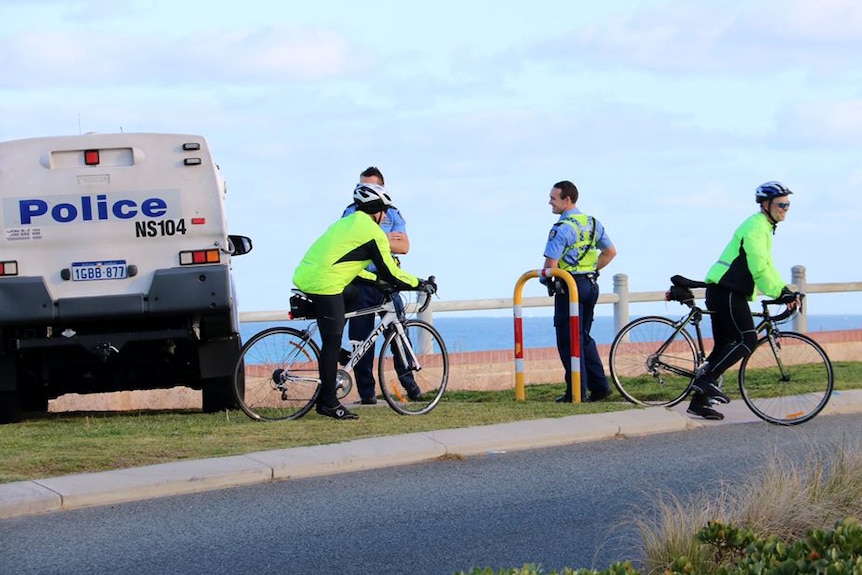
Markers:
point(91, 157)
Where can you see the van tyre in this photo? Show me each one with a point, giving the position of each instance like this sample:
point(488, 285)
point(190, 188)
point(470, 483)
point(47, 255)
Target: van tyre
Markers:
point(218, 395)
point(10, 407)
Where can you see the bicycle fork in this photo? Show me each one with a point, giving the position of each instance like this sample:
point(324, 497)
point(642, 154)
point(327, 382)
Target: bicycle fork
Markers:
point(776, 351)
point(408, 356)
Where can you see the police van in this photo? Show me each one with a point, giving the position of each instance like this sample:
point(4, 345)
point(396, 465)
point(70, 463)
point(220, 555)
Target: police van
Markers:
point(115, 269)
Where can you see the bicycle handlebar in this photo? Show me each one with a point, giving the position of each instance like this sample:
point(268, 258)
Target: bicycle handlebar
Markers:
point(427, 302)
point(783, 315)
point(391, 289)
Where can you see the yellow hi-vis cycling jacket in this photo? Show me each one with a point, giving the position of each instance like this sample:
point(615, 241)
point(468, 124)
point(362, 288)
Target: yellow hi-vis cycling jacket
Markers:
point(746, 262)
point(343, 252)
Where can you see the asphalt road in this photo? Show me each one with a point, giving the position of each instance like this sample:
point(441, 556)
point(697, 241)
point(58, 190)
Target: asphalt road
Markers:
point(560, 506)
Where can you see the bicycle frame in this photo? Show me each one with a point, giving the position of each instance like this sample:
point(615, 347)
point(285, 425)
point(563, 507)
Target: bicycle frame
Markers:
point(694, 317)
point(767, 324)
point(390, 318)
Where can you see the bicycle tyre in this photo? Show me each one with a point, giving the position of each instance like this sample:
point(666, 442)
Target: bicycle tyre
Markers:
point(641, 374)
point(431, 377)
point(794, 396)
point(268, 354)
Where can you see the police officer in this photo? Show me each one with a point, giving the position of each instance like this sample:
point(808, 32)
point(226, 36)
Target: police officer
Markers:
point(579, 245)
point(366, 295)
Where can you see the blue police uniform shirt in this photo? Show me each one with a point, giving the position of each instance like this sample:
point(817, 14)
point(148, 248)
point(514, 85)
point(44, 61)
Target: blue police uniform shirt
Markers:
point(392, 221)
point(565, 235)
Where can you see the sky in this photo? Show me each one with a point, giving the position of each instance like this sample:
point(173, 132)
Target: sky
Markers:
point(666, 115)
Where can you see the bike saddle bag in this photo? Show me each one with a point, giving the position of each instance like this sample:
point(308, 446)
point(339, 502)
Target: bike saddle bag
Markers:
point(301, 307)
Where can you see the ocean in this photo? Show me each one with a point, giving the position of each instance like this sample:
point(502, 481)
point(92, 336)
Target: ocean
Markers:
point(466, 333)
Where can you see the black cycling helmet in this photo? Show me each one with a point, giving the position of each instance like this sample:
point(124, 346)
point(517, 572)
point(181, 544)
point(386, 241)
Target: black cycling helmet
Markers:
point(771, 190)
point(371, 198)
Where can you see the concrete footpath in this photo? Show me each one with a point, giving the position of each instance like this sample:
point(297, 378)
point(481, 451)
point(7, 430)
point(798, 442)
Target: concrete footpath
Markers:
point(182, 477)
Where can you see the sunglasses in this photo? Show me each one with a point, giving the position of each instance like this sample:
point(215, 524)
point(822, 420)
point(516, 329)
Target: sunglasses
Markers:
point(783, 205)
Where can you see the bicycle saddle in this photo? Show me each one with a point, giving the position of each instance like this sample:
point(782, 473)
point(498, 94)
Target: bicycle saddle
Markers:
point(680, 281)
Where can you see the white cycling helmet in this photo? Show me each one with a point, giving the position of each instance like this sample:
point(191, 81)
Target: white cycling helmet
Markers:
point(371, 198)
point(771, 190)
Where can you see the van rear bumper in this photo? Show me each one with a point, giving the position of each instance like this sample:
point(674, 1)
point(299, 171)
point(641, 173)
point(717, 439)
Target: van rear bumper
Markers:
point(174, 291)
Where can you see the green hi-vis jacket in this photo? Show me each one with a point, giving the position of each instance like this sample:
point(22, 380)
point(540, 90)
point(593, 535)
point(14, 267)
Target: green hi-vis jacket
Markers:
point(343, 252)
point(746, 262)
point(585, 255)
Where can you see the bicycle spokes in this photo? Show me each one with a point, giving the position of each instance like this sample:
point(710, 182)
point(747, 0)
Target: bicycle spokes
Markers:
point(413, 368)
point(652, 361)
point(787, 379)
point(277, 376)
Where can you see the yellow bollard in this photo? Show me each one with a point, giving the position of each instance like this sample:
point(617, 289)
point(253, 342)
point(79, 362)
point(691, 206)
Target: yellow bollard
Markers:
point(574, 330)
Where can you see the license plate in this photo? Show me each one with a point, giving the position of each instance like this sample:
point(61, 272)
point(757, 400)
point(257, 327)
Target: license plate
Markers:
point(106, 270)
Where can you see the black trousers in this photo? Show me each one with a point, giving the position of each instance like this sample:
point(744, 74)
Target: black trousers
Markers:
point(329, 311)
point(733, 331)
point(592, 371)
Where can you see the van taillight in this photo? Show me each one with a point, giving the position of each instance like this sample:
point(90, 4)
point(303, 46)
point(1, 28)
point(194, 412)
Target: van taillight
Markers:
point(8, 268)
point(91, 157)
point(212, 256)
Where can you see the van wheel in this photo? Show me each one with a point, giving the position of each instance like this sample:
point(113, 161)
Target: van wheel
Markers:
point(35, 401)
point(10, 407)
point(218, 395)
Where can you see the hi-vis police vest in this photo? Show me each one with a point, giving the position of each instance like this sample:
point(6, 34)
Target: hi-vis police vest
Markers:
point(581, 256)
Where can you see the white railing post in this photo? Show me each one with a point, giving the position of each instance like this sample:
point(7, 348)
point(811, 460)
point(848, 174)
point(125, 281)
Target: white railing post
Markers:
point(621, 306)
point(797, 277)
point(426, 315)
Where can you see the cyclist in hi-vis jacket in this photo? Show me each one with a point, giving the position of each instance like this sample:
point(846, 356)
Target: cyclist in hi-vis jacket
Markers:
point(333, 261)
point(744, 267)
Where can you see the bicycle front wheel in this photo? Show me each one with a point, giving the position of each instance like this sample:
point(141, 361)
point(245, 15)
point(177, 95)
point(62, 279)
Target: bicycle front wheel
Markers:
point(786, 380)
point(413, 369)
point(651, 362)
point(277, 375)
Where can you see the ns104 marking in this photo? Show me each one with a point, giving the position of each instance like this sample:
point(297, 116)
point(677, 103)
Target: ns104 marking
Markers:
point(159, 228)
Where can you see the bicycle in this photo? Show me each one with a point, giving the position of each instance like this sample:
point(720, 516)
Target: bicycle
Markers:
point(277, 378)
point(786, 380)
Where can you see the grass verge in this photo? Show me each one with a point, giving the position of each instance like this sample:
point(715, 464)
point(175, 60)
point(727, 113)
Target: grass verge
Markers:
point(56, 444)
point(51, 445)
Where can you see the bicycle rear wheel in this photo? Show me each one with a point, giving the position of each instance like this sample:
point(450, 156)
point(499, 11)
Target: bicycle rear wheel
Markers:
point(651, 363)
point(413, 387)
point(277, 375)
point(789, 384)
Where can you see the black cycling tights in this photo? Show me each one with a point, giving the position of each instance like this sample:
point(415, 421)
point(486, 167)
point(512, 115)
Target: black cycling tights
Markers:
point(329, 310)
point(732, 329)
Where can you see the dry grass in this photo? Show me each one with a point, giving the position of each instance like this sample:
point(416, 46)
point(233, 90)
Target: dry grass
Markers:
point(783, 498)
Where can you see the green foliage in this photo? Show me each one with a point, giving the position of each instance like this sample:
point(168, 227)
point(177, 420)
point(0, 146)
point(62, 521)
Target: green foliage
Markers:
point(834, 552)
point(619, 568)
point(738, 551)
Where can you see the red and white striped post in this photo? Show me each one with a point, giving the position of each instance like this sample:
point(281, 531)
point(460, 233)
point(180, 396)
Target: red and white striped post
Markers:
point(574, 331)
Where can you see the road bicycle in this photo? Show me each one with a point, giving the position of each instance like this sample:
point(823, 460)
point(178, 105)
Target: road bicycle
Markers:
point(277, 377)
point(786, 380)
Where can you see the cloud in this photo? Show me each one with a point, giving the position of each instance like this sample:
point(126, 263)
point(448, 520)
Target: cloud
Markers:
point(700, 38)
point(825, 123)
point(37, 60)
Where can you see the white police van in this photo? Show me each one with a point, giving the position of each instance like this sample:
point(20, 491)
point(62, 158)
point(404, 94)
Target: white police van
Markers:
point(114, 269)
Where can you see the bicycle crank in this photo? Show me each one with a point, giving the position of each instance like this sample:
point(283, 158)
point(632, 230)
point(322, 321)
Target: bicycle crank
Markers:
point(343, 384)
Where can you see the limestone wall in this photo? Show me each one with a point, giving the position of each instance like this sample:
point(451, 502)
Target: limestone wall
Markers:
point(483, 370)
